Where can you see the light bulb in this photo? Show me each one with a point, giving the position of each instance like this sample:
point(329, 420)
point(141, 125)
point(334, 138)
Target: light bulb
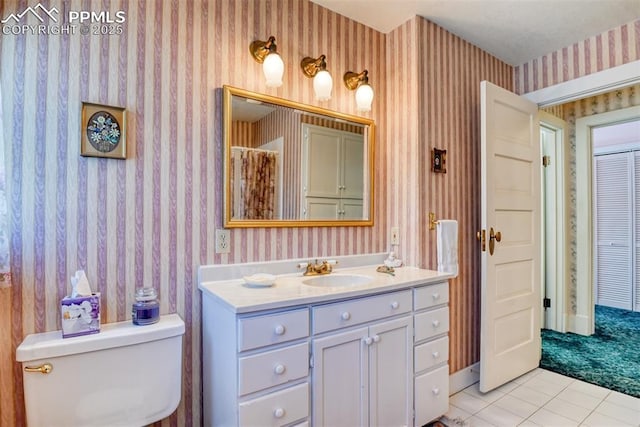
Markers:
point(273, 68)
point(322, 85)
point(364, 97)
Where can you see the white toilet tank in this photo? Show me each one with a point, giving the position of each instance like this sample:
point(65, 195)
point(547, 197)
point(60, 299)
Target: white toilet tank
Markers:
point(126, 375)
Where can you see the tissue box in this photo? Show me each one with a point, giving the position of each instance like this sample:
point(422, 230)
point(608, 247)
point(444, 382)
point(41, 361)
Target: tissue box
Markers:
point(80, 315)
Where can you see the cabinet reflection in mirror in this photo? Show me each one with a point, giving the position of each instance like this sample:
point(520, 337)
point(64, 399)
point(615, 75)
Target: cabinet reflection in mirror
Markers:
point(289, 165)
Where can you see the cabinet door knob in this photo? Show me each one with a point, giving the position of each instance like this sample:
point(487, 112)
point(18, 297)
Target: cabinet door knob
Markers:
point(436, 296)
point(279, 330)
point(395, 305)
point(279, 369)
point(278, 413)
point(436, 391)
point(345, 315)
point(436, 354)
point(367, 340)
point(435, 323)
point(376, 338)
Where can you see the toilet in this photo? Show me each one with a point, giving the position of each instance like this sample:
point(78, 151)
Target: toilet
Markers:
point(126, 375)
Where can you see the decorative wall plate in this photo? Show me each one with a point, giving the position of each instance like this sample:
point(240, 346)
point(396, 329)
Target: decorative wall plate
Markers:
point(103, 132)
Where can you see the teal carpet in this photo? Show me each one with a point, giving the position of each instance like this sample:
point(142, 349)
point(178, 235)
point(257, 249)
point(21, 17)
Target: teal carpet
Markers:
point(610, 358)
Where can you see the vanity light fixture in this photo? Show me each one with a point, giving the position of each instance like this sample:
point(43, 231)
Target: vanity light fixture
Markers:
point(272, 65)
point(322, 81)
point(364, 92)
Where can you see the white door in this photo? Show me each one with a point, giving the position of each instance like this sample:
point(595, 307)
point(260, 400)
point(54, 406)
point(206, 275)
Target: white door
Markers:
point(341, 379)
point(511, 231)
point(391, 373)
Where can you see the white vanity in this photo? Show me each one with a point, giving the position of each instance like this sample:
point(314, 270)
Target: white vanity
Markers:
point(374, 353)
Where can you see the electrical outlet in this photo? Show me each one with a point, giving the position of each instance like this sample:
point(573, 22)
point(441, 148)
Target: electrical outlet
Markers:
point(395, 236)
point(223, 241)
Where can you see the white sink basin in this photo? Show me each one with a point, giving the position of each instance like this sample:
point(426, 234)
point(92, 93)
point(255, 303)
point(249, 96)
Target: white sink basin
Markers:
point(333, 280)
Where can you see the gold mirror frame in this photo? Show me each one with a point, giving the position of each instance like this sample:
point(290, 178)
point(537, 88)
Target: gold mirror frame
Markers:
point(228, 93)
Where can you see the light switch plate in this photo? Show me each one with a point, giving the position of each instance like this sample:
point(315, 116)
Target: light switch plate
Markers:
point(395, 236)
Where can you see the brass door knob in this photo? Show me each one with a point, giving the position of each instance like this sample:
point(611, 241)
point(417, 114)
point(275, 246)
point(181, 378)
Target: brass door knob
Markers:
point(493, 238)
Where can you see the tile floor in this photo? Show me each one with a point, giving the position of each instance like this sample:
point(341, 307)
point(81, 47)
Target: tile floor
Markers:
point(543, 398)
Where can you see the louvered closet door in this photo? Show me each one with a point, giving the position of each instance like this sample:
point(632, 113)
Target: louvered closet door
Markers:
point(613, 226)
point(636, 238)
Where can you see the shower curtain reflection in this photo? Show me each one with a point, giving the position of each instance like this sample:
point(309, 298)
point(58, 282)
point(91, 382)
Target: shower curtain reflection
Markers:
point(254, 182)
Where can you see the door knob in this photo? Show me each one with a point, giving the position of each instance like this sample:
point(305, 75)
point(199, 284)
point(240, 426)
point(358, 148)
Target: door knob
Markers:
point(493, 238)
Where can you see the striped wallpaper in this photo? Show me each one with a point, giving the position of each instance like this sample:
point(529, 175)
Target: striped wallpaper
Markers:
point(438, 77)
point(150, 219)
point(609, 49)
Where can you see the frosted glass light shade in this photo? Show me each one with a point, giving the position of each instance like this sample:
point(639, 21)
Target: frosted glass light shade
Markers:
point(273, 68)
point(322, 85)
point(364, 97)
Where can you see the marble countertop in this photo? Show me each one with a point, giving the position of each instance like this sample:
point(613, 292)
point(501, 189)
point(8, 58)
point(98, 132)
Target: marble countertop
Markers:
point(288, 289)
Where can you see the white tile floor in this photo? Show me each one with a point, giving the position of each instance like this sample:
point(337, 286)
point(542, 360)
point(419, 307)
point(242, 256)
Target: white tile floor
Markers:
point(543, 398)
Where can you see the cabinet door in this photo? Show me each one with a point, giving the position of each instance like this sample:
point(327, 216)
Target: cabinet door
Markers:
point(322, 149)
point(351, 209)
point(321, 208)
point(340, 379)
point(352, 166)
point(391, 373)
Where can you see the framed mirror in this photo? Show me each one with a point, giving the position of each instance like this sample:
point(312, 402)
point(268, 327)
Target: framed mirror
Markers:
point(288, 164)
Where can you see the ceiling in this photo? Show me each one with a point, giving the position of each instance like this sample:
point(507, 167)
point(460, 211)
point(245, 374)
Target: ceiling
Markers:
point(514, 31)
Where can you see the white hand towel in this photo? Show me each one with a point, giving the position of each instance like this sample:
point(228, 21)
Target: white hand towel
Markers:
point(447, 246)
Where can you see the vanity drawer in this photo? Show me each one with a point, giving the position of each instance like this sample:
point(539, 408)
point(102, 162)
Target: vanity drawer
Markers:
point(432, 295)
point(259, 331)
point(276, 409)
point(343, 314)
point(271, 368)
point(431, 395)
point(431, 323)
point(431, 354)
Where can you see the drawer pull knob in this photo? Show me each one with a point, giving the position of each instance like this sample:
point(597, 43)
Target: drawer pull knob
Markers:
point(278, 413)
point(436, 296)
point(436, 323)
point(346, 315)
point(367, 340)
point(395, 305)
point(376, 338)
point(436, 391)
point(279, 330)
point(279, 369)
point(436, 354)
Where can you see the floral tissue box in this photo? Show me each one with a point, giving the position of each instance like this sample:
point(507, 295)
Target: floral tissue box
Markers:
point(80, 315)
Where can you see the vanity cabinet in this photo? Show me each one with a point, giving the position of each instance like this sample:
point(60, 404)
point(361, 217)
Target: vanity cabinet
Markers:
point(255, 367)
point(431, 352)
point(373, 359)
point(364, 376)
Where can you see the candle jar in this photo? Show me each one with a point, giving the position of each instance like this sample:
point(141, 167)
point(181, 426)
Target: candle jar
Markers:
point(146, 309)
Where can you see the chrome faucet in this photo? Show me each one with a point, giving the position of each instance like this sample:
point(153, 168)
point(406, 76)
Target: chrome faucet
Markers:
point(316, 268)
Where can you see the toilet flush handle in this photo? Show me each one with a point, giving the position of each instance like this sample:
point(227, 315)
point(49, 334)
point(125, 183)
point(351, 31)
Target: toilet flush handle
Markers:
point(43, 369)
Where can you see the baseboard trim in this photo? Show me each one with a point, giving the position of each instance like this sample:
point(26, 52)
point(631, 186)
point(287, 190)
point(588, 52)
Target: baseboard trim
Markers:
point(578, 324)
point(464, 378)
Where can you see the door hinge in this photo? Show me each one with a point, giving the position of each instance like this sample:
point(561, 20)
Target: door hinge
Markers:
point(546, 161)
point(546, 302)
point(311, 360)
